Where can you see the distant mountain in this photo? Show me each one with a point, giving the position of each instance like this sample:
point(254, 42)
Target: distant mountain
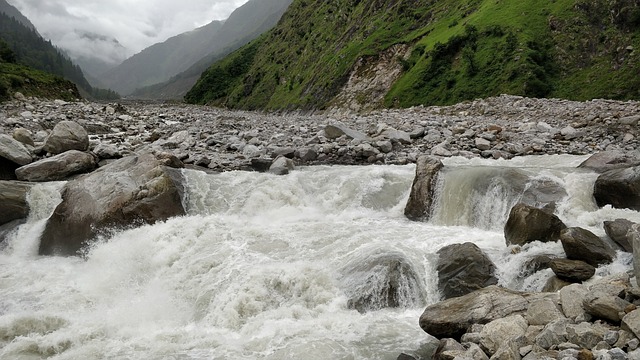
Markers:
point(31, 50)
point(91, 63)
point(243, 25)
point(402, 53)
point(12, 12)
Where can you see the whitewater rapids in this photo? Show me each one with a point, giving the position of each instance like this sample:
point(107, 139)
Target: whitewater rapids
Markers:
point(258, 269)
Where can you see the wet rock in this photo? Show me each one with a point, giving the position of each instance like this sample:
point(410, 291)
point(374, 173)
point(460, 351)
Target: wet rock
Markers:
point(131, 190)
point(463, 268)
point(57, 167)
point(609, 160)
point(13, 200)
point(452, 317)
point(261, 164)
point(281, 166)
point(65, 136)
point(14, 151)
point(619, 188)
point(382, 281)
point(8, 228)
point(621, 232)
point(418, 207)
point(572, 270)
point(582, 244)
point(526, 224)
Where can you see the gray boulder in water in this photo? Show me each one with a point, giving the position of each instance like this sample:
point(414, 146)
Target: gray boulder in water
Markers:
point(140, 188)
point(383, 281)
point(65, 136)
point(619, 188)
point(423, 188)
point(463, 268)
point(13, 200)
point(57, 167)
point(621, 231)
point(527, 223)
point(582, 244)
point(609, 160)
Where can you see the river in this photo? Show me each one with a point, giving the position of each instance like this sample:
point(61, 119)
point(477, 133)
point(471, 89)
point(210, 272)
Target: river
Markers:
point(263, 267)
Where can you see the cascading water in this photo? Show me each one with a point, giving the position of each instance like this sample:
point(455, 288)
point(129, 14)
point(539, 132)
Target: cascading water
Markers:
point(297, 266)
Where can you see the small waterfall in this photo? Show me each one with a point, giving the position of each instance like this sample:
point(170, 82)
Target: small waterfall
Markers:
point(42, 199)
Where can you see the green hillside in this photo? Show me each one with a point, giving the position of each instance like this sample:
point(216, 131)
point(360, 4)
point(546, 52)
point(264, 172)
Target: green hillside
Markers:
point(461, 50)
point(15, 77)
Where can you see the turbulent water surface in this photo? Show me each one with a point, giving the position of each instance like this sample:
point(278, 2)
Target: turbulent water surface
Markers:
point(262, 266)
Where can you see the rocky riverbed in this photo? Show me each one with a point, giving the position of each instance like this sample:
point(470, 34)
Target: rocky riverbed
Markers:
point(42, 140)
point(221, 140)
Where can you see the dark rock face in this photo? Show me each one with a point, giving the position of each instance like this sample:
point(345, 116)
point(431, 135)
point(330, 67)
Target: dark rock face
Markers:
point(572, 270)
point(13, 201)
point(621, 232)
point(452, 317)
point(8, 169)
point(619, 188)
point(463, 268)
point(527, 224)
point(582, 244)
point(135, 188)
point(609, 160)
point(57, 167)
point(385, 281)
point(422, 191)
point(67, 135)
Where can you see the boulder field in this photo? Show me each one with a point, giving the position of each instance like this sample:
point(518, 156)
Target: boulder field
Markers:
point(121, 165)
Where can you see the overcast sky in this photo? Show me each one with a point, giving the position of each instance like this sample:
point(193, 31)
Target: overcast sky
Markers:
point(136, 24)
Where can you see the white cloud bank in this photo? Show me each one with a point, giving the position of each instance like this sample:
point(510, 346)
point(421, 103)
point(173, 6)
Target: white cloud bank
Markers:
point(113, 30)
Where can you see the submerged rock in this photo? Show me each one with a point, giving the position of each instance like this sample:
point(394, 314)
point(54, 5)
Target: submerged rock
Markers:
point(526, 224)
point(609, 160)
point(423, 188)
point(383, 281)
point(134, 189)
point(463, 268)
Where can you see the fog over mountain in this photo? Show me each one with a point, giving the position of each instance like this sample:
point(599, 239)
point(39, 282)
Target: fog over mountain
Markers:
point(112, 31)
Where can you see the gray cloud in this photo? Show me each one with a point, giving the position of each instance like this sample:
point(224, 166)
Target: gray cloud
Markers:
point(74, 25)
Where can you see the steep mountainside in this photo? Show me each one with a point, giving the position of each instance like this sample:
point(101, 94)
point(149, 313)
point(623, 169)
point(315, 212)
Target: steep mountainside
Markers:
point(441, 52)
point(243, 25)
point(31, 50)
point(161, 61)
point(13, 12)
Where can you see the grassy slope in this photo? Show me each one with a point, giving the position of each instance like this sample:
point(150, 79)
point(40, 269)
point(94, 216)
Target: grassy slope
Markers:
point(31, 82)
point(462, 50)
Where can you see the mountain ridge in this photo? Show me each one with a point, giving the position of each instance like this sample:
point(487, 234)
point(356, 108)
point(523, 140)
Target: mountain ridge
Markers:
point(457, 51)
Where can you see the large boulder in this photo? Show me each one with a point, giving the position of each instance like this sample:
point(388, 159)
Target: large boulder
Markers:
point(382, 281)
point(619, 188)
point(57, 167)
point(13, 201)
point(463, 268)
point(451, 318)
point(281, 166)
point(609, 160)
point(621, 232)
point(139, 188)
point(526, 224)
point(582, 244)
point(65, 136)
point(423, 188)
point(14, 151)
